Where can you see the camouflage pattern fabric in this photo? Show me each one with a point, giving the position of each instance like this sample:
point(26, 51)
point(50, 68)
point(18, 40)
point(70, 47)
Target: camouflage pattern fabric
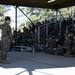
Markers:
point(5, 44)
point(5, 40)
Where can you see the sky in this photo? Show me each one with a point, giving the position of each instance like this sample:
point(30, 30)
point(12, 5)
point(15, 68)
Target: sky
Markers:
point(11, 13)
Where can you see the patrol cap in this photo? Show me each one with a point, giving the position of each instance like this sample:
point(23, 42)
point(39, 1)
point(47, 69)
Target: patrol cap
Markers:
point(7, 18)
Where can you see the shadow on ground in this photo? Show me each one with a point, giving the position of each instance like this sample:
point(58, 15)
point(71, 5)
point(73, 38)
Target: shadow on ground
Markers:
point(30, 62)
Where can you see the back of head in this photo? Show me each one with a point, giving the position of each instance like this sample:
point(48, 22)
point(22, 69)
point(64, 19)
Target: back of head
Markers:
point(7, 18)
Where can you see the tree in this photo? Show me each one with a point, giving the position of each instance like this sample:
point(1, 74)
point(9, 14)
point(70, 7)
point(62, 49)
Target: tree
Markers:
point(40, 14)
point(3, 10)
point(35, 14)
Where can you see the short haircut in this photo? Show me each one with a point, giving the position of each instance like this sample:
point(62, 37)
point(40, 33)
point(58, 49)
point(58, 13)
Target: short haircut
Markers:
point(7, 18)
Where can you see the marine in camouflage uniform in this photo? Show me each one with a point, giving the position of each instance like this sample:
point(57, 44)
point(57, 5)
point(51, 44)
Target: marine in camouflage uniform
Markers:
point(67, 46)
point(73, 46)
point(5, 39)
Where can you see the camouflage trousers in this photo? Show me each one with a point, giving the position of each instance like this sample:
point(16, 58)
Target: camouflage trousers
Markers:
point(5, 44)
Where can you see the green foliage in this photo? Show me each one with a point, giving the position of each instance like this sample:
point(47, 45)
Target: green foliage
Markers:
point(3, 10)
point(40, 14)
point(21, 26)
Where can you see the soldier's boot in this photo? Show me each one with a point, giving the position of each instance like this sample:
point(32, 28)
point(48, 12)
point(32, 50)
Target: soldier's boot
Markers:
point(5, 62)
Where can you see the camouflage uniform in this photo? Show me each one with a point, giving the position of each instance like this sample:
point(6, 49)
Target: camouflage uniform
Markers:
point(5, 40)
point(74, 46)
point(67, 47)
point(67, 44)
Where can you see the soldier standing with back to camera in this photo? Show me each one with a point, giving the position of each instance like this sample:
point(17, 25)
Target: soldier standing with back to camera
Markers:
point(5, 39)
